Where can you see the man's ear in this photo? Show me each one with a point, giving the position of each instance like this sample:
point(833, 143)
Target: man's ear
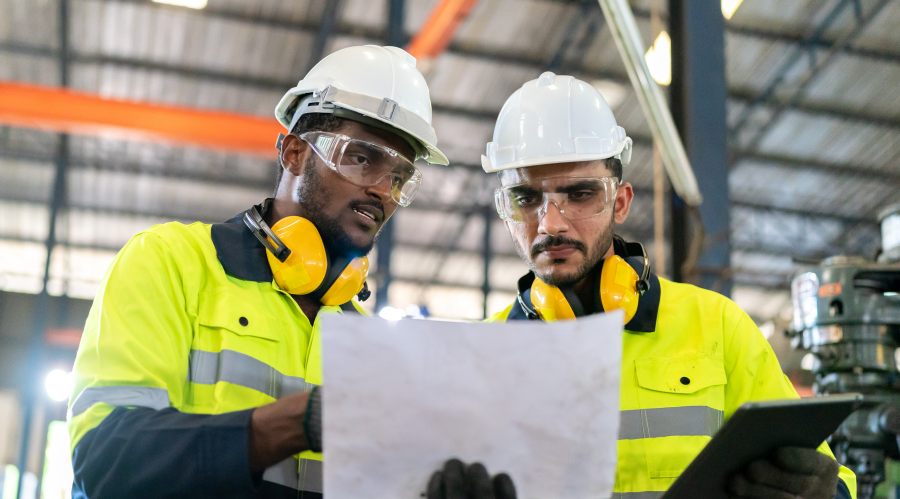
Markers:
point(624, 196)
point(293, 154)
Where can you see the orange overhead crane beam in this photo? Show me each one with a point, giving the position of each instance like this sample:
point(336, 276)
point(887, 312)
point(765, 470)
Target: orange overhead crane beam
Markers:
point(63, 110)
point(439, 28)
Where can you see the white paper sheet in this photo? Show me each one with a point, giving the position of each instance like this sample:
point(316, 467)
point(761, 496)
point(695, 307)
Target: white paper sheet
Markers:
point(538, 401)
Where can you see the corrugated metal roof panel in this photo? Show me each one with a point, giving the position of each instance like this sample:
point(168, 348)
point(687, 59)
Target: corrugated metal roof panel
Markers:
point(33, 21)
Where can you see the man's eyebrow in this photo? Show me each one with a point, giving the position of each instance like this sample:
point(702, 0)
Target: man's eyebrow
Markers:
point(578, 186)
point(523, 189)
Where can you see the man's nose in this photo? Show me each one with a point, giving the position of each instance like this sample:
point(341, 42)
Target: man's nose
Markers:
point(382, 188)
point(552, 221)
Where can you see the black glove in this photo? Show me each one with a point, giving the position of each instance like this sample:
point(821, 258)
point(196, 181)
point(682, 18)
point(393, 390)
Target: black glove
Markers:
point(312, 420)
point(458, 481)
point(790, 473)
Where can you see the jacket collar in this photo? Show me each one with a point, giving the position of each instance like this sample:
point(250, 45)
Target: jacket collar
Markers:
point(239, 252)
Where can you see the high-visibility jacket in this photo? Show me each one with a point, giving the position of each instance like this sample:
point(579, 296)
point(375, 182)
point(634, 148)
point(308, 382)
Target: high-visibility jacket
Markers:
point(186, 336)
point(690, 358)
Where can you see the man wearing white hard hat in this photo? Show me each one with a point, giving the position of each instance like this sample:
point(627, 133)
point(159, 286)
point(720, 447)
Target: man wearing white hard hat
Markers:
point(196, 372)
point(691, 357)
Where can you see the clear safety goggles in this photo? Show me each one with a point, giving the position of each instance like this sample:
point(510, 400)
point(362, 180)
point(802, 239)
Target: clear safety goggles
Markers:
point(575, 197)
point(366, 164)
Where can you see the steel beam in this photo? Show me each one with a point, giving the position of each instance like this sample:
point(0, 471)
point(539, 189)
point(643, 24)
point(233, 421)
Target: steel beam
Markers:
point(856, 172)
point(58, 109)
point(742, 95)
point(455, 48)
point(326, 28)
point(35, 362)
point(698, 94)
point(823, 42)
point(264, 185)
point(385, 242)
point(748, 96)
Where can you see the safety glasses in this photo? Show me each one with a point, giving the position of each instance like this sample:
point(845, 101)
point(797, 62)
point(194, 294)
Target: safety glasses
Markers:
point(575, 197)
point(366, 164)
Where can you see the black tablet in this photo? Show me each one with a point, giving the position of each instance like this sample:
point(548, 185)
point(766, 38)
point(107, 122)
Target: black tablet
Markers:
point(755, 430)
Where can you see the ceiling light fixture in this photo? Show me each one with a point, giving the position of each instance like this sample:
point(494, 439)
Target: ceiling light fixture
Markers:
point(729, 7)
point(659, 59)
point(191, 4)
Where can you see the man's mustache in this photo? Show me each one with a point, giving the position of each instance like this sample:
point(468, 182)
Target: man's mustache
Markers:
point(550, 241)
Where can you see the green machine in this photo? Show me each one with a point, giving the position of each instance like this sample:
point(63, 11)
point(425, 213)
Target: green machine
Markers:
point(847, 314)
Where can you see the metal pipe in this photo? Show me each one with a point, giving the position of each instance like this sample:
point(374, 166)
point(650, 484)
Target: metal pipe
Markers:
point(624, 31)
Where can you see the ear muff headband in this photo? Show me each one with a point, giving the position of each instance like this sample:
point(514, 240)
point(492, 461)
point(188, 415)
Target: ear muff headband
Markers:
point(300, 263)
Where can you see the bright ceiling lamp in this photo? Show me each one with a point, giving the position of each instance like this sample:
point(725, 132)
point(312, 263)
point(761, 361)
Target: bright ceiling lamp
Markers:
point(729, 7)
point(58, 384)
point(191, 4)
point(659, 59)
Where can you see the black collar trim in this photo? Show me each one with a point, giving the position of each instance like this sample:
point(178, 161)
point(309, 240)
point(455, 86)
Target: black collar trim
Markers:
point(239, 251)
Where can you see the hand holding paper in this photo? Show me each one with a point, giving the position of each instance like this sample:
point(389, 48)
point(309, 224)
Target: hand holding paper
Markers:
point(457, 480)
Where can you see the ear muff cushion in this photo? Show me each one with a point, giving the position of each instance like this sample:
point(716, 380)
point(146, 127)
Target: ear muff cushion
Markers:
point(304, 269)
point(348, 284)
point(550, 302)
point(618, 287)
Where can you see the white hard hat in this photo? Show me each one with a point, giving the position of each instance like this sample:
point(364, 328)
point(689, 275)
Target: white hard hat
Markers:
point(554, 119)
point(380, 83)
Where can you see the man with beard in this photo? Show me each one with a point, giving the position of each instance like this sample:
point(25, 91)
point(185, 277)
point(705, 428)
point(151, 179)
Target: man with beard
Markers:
point(195, 374)
point(690, 357)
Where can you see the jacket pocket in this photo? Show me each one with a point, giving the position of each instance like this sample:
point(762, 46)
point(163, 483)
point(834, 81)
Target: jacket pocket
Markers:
point(226, 314)
point(681, 400)
point(234, 356)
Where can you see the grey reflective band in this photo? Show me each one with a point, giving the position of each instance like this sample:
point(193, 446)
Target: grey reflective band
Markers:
point(209, 368)
point(305, 475)
point(637, 495)
point(669, 422)
point(134, 396)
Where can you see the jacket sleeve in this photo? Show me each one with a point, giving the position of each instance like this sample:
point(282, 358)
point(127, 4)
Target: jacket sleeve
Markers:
point(130, 375)
point(754, 373)
point(165, 453)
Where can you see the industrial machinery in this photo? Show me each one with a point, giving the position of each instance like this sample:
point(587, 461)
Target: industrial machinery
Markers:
point(847, 314)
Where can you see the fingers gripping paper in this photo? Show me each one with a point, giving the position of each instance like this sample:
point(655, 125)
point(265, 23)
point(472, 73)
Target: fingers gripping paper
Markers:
point(538, 401)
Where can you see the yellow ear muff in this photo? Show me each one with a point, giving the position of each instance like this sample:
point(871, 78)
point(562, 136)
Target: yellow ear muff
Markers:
point(550, 302)
point(300, 262)
point(304, 269)
point(618, 287)
point(618, 290)
point(348, 284)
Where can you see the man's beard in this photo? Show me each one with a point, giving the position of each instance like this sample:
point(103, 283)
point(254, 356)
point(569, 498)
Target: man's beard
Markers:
point(310, 193)
point(583, 271)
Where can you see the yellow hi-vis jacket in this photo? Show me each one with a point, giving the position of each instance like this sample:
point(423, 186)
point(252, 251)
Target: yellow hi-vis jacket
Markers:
point(690, 358)
point(186, 336)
